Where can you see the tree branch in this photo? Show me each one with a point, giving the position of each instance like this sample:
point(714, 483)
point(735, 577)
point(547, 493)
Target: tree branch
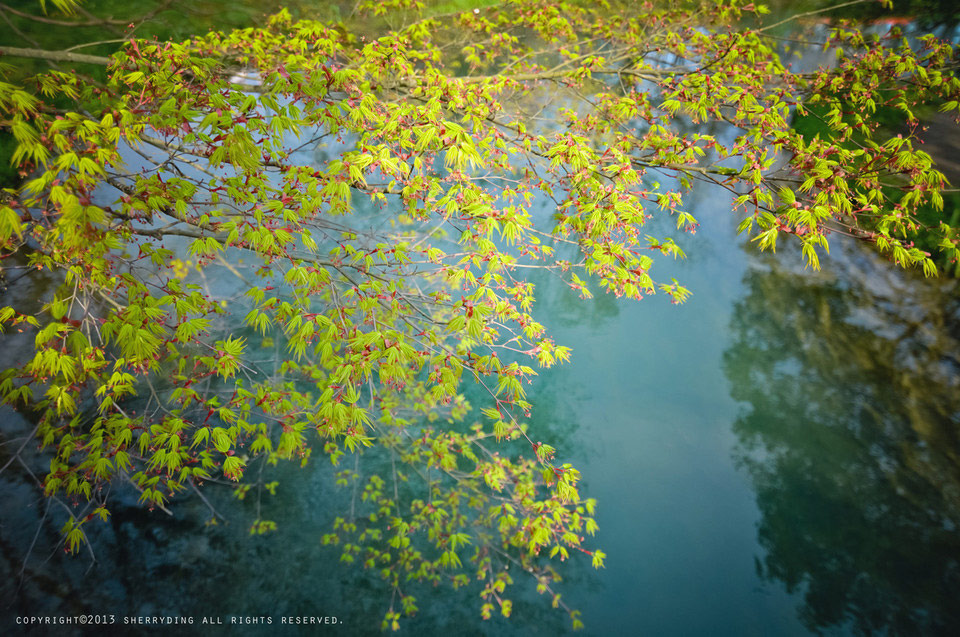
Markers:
point(54, 56)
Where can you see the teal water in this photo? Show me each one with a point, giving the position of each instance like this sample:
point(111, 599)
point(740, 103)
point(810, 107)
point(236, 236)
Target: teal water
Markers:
point(777, 456)
point(648, 389)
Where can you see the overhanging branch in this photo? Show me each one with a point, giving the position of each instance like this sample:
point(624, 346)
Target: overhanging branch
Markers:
point(54, 56)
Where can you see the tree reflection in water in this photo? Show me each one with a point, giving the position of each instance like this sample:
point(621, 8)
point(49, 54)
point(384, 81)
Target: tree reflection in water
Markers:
point(851, 435)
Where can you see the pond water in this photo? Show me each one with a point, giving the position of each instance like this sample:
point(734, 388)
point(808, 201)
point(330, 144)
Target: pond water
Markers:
point(777, 456)
point(780, 455)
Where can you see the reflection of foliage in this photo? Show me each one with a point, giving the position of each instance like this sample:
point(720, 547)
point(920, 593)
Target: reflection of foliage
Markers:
point(852, 439)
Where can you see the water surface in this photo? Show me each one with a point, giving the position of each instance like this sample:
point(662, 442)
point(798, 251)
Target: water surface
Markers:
point(780, 455)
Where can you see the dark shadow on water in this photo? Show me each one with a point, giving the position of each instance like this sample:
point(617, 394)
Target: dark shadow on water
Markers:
point(151, 565)
point(851, 436)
